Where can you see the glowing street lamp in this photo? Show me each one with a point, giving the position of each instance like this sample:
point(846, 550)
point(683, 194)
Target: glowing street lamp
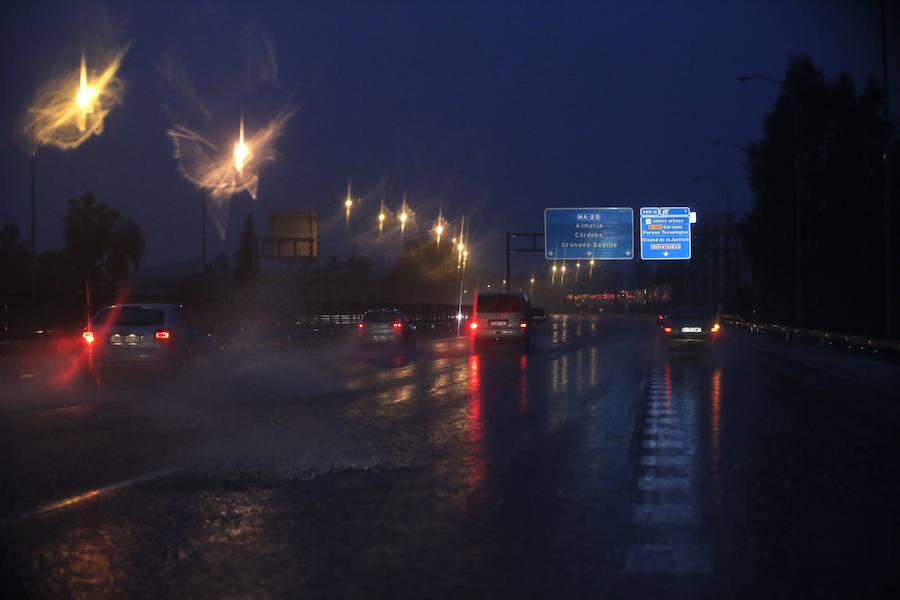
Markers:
point(439, 230)
point(242, 153)
point(403, 217)
point(348, 203)
point(577, 268)
point(562, 276)
point(85, 97)
point(553, 274)
point(591, 270)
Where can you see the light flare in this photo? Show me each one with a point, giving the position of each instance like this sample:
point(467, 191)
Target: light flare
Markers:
point(225, 172)
point(69, 110)
point(348, 204)
point(403, 217)
point(242, 152)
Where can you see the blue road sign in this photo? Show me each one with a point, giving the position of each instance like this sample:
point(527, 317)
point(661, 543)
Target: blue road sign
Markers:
point(585, 233)
point(665, 233)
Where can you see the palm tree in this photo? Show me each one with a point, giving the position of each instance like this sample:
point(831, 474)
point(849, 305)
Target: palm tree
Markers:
point(102, 245)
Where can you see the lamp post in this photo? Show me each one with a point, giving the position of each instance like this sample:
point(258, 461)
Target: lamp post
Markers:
point(718, 182)
point(799, 316)
point(34, 209)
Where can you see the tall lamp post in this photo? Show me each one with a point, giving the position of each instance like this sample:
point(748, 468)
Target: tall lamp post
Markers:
point(798, 245)
point(34, 209)
point(718, 182)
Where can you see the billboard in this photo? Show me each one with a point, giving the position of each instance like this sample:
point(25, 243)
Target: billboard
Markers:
point(292, 234)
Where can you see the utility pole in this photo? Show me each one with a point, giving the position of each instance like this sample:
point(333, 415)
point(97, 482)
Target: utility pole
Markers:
point(203, 234)
point(889, 308)
point(33, 208)
point(507, 262)
point(799, 313)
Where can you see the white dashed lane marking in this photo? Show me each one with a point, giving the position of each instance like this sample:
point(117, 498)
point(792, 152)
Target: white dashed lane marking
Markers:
point(669, 540)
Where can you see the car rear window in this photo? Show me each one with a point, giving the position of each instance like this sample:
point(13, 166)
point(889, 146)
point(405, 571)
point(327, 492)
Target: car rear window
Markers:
point(499, 303)
point(130, 316)
point(381, 317)
point(690, 313)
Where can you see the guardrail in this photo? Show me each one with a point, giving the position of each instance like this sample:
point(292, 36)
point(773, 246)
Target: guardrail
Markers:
point(818, 336)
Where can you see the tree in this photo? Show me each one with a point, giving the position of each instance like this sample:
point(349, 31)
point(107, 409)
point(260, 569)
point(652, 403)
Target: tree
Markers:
point(837, 133)
point(101, 245)
point(245, 260)
point(14, 259)
point(423, 273)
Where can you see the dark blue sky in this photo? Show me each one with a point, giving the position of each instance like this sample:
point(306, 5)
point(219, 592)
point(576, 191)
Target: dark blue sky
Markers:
point(495, 110)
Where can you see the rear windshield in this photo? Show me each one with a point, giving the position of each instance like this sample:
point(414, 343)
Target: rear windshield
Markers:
point(383, 316)
point(499, 303)
point(129, 316)
point(691, 313)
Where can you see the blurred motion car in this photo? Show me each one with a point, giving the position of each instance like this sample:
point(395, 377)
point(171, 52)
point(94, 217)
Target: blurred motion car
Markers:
point(151, 336)
point(689, 326)
point(387, 327)
point(502, 317)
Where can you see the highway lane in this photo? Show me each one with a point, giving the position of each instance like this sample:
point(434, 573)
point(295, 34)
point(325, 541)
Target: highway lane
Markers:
point(596, 464)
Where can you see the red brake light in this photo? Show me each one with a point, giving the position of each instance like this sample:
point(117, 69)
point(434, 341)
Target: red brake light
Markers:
point(716, 328)
point(523, 324)
point(660, 317)
point(88, 336)
point(397, 325)
point(361, 325)
point(667, 329)
point(473, 325)
point(163, 334)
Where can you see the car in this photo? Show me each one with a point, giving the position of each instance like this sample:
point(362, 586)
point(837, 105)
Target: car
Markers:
point(501, 317)
point(386, 327)
point(690, 326)
point(144, 336)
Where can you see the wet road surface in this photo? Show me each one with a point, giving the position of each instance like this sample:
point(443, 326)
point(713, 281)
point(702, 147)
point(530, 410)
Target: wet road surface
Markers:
point(598, 464)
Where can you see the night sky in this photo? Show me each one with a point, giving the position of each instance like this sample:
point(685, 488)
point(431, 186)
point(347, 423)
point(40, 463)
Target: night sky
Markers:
point(492, 110)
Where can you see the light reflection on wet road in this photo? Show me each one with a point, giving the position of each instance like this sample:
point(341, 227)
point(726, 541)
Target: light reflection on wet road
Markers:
point(449, 473)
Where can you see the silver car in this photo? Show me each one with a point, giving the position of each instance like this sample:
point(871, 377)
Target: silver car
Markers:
point(153, 336)
point(386, 326)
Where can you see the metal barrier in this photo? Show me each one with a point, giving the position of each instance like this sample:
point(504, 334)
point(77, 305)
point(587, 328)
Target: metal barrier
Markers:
point(817, 336)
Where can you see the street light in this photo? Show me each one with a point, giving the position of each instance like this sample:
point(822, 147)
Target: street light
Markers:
point(591, 269)
point(798, 261)
point(348, 203)
point(697, 178)
point(740, 147)
point(404, 215)
point(242, 155)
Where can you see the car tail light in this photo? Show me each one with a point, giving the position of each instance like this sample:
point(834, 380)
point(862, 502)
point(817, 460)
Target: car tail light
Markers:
point(660, 317)
point(397, 325)
point(715, 328)
point(362, 325)
point(473, 325)
point(88, 336)
point(163, 334)
point(523, 324)
point(667, 329)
